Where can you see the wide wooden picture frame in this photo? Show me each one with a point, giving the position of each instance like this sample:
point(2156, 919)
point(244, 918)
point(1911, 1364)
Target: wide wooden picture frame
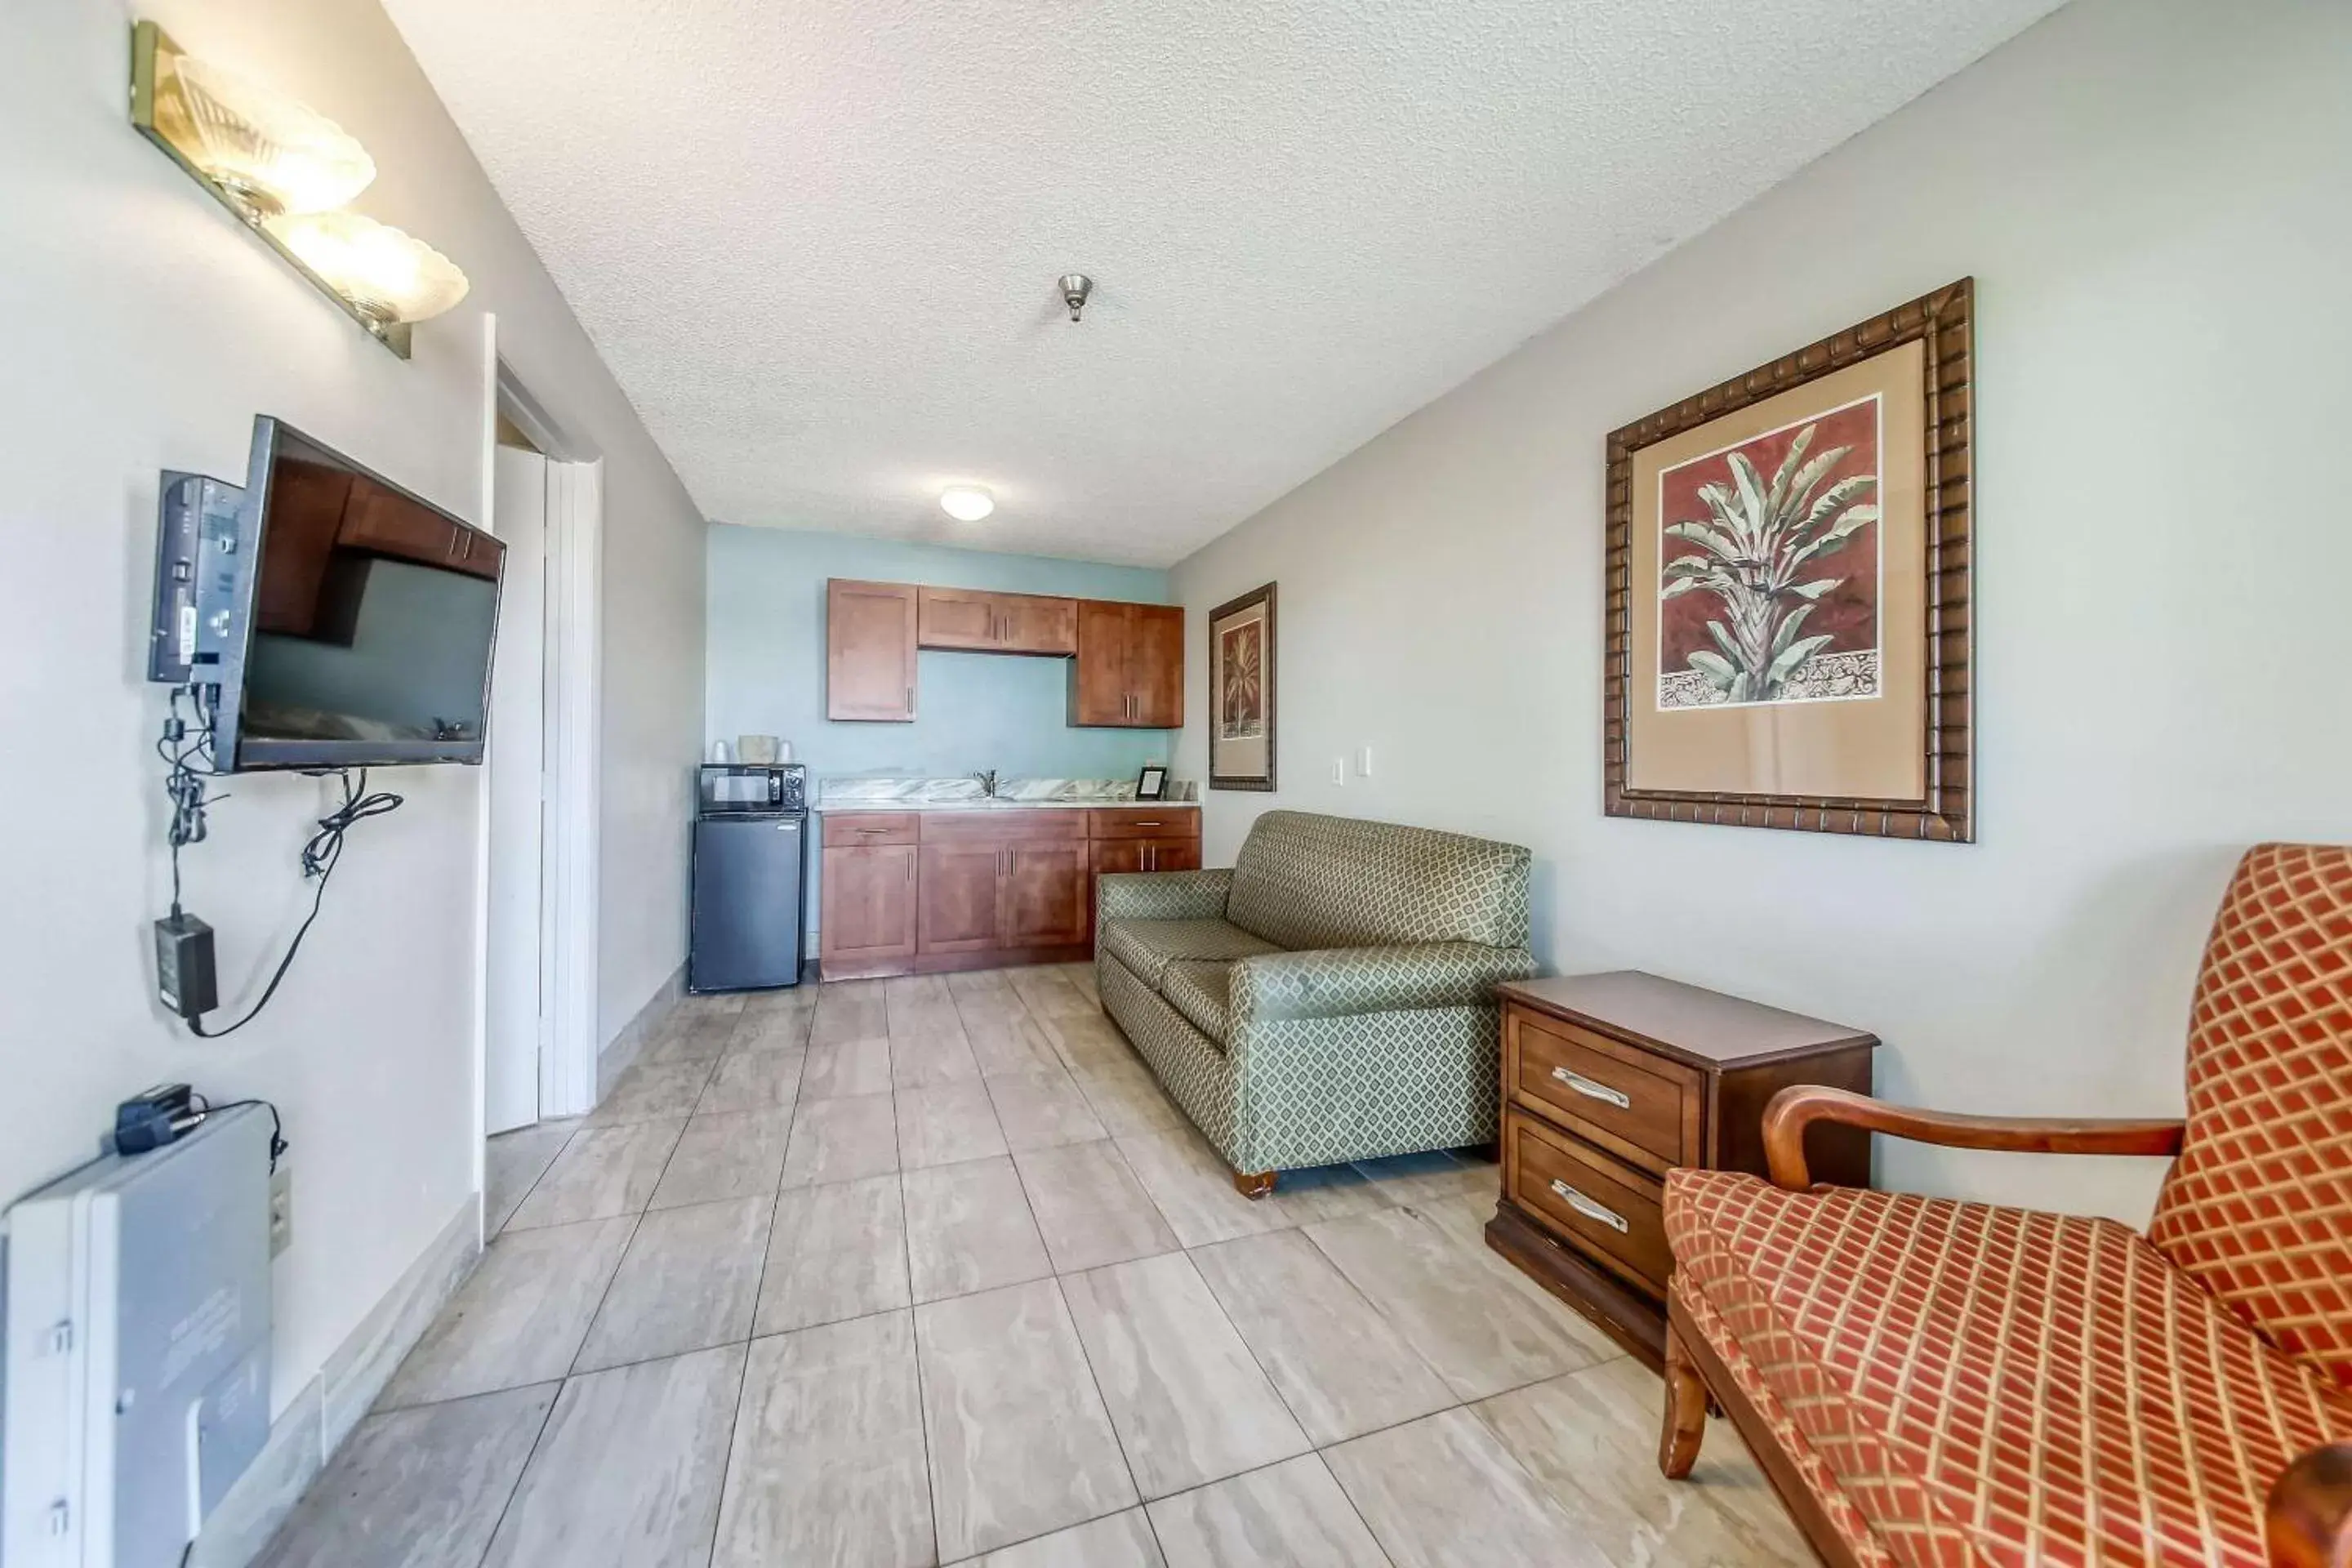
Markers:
point(1847, 464)
point(1241, 692)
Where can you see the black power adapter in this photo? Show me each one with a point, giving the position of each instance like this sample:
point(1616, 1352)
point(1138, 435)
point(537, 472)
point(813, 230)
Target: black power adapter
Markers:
point(184, 976)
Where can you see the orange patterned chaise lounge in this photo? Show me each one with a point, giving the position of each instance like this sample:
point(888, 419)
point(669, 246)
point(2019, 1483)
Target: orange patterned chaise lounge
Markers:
point(1929, 1381)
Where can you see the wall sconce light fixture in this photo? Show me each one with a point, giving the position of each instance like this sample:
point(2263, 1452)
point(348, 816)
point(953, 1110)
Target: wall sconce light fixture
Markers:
point(286, 170)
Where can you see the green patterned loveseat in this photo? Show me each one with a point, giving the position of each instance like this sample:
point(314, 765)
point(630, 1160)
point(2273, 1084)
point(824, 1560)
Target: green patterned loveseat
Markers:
point(1329, 998)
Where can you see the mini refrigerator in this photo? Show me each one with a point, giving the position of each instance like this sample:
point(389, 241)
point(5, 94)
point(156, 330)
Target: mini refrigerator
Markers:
point(750, 873)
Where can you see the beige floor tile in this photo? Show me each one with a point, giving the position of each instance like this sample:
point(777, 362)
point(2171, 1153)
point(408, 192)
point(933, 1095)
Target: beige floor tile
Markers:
point(1081, 978)
point(1020, 1445)
point(714, 1005)
point(1464, 1219)
point(1039, 1110)
point(835, 1251)
point(1475, 1330)
point(687, 1282)
point(416, 1487)
point(828, 1461)
point(946, 1124)
point(1049, 994)
point(1089, 1039)
point(1194, 1188)
point(629, 1470)
point(1089, 1208)
point(1117, 1540)
point(1004, 1036)
point(925, 1060)
point(519, 1318)
point(753, 1080)
point(691, 1039)
point(1293, 1513)
point(729, 1154)
point(602, 1172)
point(1444, 1493)
point(1587, 1440)
point(1185, 1395)
point(653, 1091)
point(917, 1007)
point(513, 1163)
point(849, 1010)
point(841, 1140)
point(773, 1028)
point(1125, 1096)
point(1342, 1368)
point(968, 1229)
point(847, 1067)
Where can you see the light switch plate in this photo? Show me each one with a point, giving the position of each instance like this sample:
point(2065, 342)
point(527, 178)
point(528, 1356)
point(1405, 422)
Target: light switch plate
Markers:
point(1364, 762)
point(1338, 769)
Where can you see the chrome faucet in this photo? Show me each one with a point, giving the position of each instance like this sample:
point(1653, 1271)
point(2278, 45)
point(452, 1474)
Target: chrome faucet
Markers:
point(987, 782)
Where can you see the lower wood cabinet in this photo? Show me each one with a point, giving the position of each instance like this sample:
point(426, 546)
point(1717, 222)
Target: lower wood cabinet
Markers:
point(909, 892)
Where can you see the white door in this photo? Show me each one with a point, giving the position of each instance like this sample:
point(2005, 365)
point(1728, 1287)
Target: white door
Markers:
point(515, 1007)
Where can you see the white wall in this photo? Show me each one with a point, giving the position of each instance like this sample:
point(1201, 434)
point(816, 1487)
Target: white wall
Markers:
point(145, 331)
point(2151, 196)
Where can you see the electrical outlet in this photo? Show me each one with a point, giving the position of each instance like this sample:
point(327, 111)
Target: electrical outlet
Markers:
point(1338, 769)
point(1364, 762)
point(281, 1208)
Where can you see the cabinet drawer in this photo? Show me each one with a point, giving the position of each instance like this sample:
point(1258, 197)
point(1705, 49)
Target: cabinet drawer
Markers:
point(1051, 825)
point(1146, 822)
point(1606, 1209)
point(1592, 1086)
point(847, 830)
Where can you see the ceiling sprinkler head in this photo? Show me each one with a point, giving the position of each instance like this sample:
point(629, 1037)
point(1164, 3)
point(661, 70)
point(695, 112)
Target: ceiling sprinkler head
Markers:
point(1075, 287)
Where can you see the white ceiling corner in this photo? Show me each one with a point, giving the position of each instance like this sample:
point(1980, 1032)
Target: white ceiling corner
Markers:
point(817, 242)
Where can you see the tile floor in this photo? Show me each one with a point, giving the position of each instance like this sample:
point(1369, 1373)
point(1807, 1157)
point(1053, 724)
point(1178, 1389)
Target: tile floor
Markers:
point(929, 1271)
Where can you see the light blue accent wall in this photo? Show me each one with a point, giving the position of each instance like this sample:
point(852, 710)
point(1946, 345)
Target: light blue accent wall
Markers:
point(766, 669)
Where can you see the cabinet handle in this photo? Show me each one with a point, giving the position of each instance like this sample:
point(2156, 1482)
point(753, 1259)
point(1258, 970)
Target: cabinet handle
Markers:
point(1592, 1090)
point(910, 867)
point(1589, 1209)
point(910, 699)
point(1147, 825)
point(1148, 860)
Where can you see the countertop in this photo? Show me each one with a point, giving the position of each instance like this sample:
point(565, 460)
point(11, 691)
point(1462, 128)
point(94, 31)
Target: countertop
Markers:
point(866, 806)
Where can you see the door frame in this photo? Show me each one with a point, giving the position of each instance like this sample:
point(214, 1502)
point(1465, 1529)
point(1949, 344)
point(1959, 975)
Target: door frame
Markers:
point(572, 681)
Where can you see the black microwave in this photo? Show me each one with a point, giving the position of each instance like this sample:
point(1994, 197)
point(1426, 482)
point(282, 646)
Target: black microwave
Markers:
point(728, 787)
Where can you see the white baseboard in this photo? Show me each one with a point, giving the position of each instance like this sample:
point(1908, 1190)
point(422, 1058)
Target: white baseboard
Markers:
point(639, 1032)
point(308, 1432)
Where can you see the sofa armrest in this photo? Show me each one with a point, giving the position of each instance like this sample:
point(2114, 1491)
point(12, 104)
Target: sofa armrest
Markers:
point(1339, 982)
point(1162, 895)
point(1798, 1107)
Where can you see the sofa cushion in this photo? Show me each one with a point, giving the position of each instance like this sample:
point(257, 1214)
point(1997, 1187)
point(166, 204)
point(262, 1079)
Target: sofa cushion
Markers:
point(1201, 992)
point(1998, 1385)
point(1147, 947)
point(1304, 880)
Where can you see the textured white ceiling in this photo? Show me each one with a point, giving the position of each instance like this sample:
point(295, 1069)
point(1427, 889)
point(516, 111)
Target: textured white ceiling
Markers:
point(817, 239)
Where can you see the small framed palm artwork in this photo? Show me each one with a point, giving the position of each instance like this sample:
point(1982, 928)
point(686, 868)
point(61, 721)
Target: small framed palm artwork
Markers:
point(1240, 692)
point(1787, 590)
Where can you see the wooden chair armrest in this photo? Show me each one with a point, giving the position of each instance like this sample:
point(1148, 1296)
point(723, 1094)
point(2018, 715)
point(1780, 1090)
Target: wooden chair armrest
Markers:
point(2309, 1520)
point(1798, 1107)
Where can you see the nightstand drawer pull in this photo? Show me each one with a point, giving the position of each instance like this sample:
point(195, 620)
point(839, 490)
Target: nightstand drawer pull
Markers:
point(1592, 1090)
point(1589, 1209)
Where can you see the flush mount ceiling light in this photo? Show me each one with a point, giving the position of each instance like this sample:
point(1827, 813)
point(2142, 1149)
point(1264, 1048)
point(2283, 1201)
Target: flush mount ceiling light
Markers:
point(271, 154)
point(388, 277)
point(286, 170)
point(966, 503)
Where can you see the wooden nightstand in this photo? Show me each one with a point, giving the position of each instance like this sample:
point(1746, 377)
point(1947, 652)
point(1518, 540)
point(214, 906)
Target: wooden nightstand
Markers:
point(1610, 1080)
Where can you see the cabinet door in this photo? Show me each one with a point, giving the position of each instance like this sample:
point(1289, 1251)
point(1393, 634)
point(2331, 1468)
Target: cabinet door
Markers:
point(869, 651)
point(1118, 855)
point(958, 897)
point(958, 617)
point(1099, 692)
point(1156, 667)
point(1042, 898)
point(867, 905)
point(1172, 855)
point(1030, 624)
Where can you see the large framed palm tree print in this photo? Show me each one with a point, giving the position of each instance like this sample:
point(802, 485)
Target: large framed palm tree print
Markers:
point(1240, 692)
point(1787, 590)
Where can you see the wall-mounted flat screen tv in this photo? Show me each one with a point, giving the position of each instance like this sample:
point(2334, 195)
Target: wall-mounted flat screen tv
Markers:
point(348, 623)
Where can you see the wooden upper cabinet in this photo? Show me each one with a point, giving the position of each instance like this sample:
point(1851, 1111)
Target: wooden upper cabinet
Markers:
point(870, 640)
point(997, 623)
point(1130, 671)
point(1156, 667)
point(306, 514)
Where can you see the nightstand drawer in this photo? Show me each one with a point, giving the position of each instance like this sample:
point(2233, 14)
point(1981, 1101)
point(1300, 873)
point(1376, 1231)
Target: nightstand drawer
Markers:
point(1607, 1210)
point(1589, 1085)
